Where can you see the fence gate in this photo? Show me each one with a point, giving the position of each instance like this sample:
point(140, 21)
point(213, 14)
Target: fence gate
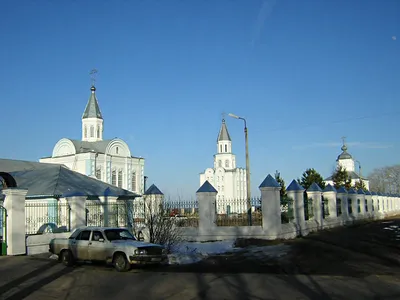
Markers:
point(3, 230)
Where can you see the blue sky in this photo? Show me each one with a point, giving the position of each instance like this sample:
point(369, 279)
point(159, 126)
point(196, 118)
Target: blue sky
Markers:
point(303, 73)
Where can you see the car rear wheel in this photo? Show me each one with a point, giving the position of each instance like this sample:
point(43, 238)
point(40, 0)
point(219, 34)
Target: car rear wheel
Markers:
point(66, 258)
point(120, 263)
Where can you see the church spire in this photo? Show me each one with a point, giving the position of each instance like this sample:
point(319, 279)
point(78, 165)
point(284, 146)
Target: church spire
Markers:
point(92, 109)
point(223, 133)
point(92, 119)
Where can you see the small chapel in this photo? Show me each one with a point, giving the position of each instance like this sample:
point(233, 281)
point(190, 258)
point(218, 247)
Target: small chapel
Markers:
point(347, 162)
point(108, 160)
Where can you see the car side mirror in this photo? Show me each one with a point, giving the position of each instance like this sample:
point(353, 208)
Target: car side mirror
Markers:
point(101, 240)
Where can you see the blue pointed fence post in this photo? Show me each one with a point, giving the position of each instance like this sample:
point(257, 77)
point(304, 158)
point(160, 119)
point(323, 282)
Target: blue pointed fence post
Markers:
point(206, 197)
point(296, 192)
point(271, 206)
point(315, 193)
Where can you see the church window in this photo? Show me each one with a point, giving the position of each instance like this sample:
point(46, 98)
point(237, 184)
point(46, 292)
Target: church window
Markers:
point(85, 132)
point(220, 163)
point(98, 173)
point(227, 163)
point(120, 179)
point(98, 131)
point(220, 148)
point(91, 131)
point(114, 177)
point(116, 150)
point(226, 148)
point(133, 181)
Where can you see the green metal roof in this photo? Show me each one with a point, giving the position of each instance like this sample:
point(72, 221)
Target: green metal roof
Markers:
point(53, 180)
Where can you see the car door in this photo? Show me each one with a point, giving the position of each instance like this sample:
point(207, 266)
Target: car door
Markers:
point(80, 246)
point(98, 246)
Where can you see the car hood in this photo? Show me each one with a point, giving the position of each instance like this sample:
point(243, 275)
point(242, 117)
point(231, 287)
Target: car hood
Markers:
point(136, 244)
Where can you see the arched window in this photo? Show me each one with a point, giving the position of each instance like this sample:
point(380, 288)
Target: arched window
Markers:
point(220, 163)
point(227, 163)
point(226, 148)
point(92, 131)
point(85, 132)
point(220, 148)
point(98, 131)
point(114, 177)
point(133, 180)
point(116, 150)
point(98, 173)
point(120, 178)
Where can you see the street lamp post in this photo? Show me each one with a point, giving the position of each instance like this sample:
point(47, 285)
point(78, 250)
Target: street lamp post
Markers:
point(248, 191)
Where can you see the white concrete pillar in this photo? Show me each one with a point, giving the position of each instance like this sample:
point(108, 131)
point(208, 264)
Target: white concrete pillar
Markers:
point(381, 204)
point(314, 192)
point(361, 197)
point(78, 211)
point(375, 212)
point(391, 203)
point(207, 196)
point(384, 203)
point(14, 203)
point(296, 192)
point(271, 206)
point(329, 194)
point(342, 195)
point(368, 198)
point(352, 198)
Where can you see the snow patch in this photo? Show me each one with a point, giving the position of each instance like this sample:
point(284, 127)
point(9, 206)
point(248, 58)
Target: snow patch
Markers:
point(192, 252)
point(275, 251)
point(392, 227)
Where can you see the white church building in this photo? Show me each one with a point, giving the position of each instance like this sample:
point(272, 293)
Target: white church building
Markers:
point(108, 160)
point(227, 179)
point(347, 162)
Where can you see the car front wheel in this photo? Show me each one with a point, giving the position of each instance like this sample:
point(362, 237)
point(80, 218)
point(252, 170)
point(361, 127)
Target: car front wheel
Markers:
point(66, 258)
point(120, 263)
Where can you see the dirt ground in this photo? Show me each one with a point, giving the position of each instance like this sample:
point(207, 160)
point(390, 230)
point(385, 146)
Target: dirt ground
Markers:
point(356, 251)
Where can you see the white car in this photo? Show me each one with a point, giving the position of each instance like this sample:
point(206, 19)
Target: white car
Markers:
point(112, 245)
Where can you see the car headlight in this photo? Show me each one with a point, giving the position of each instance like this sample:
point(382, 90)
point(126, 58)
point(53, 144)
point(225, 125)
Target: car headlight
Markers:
point(140, 252)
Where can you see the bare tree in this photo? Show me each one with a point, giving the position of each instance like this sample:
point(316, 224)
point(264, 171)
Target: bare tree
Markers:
point(152, 219)
point(385, 180)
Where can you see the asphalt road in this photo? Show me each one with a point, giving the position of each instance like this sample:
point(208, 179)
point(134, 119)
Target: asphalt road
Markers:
point(354, 263)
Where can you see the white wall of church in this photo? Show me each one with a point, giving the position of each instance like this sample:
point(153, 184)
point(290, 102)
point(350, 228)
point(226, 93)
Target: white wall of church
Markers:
point(353, 182)
point(347, 164)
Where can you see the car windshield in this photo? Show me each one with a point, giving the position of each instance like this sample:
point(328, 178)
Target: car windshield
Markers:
point(118, 234)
